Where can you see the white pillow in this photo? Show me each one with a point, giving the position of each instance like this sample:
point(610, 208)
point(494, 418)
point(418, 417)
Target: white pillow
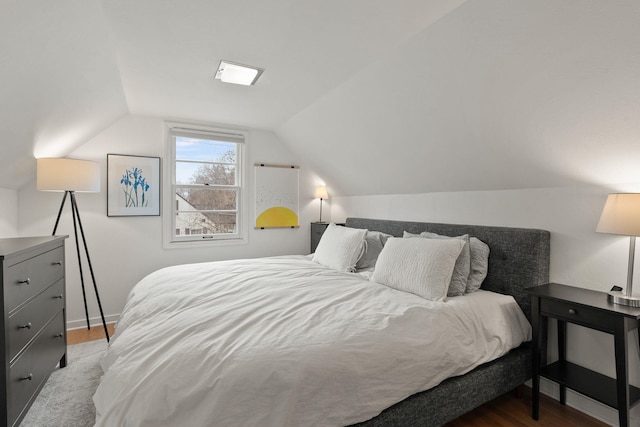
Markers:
point(340, 247)
point(479, 261)
point(420, 266)
point(462, 269)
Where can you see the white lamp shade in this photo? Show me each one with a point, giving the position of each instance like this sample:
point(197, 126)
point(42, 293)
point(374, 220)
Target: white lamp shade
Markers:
point(621, 215)
point(321, 192)
point(68, 175)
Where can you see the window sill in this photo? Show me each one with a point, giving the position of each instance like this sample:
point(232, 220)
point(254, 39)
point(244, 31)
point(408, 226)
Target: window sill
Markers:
point(208, 243)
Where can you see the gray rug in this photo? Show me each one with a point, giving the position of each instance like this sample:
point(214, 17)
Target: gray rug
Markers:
point(66, 398)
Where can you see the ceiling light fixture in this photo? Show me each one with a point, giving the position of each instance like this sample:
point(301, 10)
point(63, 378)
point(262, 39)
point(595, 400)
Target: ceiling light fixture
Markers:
point(230, 72)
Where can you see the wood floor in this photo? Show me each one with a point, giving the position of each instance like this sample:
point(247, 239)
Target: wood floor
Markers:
point(508, 410)
point(76, 336)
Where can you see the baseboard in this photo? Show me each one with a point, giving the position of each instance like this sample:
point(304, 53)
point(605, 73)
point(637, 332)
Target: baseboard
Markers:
point(93, 321)
point(584, 404)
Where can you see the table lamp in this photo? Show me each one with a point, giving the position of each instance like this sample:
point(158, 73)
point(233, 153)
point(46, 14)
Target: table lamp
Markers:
point(621, 215)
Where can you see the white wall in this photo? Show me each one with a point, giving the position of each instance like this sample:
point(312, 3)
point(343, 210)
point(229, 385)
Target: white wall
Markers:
point(125, 249)
point(579, 256)
point(8, 213)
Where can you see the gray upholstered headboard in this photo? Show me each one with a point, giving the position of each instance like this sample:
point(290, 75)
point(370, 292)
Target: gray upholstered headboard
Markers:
point(519, 257)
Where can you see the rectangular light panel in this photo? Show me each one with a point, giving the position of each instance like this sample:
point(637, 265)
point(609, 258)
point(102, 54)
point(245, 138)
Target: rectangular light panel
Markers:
point(230, 72)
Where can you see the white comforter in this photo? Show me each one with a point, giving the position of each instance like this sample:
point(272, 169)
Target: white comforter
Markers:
point(284, 341)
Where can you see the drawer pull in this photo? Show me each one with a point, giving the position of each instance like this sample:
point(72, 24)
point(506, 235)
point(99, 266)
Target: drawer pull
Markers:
point(572, 311)
point(28, 377)
point(58, 296)
point(60, 335)
point(26, 281)
point(56, 263)
point(27, 326)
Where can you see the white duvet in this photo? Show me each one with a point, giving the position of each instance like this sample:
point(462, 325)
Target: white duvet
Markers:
point(284, 341)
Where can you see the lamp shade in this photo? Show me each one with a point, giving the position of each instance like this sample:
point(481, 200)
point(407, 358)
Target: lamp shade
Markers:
point(621, 215)
point(68, 175)
point(321, 192)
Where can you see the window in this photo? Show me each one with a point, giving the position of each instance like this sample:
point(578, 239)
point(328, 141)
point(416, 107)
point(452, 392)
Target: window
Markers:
point(205, 184)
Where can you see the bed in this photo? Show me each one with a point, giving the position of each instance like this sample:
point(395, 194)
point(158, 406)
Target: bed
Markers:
point(333, 350)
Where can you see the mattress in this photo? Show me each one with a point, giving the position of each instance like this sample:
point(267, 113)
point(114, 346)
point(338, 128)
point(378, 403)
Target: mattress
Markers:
point(283, 341)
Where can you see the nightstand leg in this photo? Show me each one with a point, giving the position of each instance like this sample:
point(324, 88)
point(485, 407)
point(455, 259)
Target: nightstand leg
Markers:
point(562, 355)
point(535, 354)
point(622, 371)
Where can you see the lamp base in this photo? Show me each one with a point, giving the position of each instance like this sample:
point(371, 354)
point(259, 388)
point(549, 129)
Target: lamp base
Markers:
point(622, 299)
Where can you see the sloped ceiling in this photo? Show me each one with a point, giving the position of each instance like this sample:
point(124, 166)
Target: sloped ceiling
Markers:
point(496, 95)
point(169, 51)
point(378, 97)
point(59, 82)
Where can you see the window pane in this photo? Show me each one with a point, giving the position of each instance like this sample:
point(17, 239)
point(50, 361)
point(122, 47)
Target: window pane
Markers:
point(197, 223)
point(205, 173)
point(205, 150)
point(191, 199)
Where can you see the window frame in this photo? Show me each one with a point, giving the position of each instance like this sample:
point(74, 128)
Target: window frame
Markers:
point(171, 239)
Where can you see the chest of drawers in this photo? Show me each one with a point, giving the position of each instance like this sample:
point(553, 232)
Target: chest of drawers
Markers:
point(32, 329)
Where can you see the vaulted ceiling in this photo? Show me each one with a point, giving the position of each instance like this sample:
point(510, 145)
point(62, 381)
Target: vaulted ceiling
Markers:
point(377, 97)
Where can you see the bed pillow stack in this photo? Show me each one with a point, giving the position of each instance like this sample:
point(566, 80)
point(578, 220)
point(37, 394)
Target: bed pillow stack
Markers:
point(421, 266)
point(459, 279)
point(340, 248)
point(470, 275)
point(430, 265)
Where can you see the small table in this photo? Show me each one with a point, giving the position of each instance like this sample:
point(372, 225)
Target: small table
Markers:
point(317, 230)
point(590, 309)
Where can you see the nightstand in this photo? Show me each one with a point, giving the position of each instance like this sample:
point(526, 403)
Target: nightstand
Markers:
point(317, 230)
point(590, 309)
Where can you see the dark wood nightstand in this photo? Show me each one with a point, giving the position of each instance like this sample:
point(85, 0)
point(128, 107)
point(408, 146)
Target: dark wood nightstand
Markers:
point(590, 309)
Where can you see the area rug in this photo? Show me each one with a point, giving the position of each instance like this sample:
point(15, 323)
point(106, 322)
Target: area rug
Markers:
point(66, 398)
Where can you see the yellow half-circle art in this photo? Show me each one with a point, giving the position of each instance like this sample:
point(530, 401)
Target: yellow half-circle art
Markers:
point(278, 216)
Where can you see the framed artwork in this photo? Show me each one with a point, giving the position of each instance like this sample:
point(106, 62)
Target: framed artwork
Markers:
point(133, 185)
point(276, 196)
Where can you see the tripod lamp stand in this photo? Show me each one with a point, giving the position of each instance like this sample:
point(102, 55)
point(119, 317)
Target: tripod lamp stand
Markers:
point(71, 176)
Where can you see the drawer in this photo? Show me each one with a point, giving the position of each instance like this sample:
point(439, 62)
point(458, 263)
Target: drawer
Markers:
point(29, 372)
point(25, 323)
point(575, 313)
point(30, 277)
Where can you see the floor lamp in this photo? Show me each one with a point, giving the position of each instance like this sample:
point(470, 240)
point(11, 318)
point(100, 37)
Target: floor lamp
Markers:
point(71, 176)
point(621, 215)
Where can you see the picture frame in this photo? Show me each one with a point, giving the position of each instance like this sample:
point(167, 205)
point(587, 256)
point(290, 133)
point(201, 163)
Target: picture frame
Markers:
point(277, 196)
point(133, 185)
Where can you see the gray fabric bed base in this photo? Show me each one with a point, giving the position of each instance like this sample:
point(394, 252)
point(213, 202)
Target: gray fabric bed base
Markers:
point(519, 259)
point(456, 396)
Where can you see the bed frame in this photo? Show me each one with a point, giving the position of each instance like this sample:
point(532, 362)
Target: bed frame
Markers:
point(519, 259)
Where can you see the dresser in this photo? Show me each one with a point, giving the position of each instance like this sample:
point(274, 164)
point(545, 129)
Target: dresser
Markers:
point(33, 329)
